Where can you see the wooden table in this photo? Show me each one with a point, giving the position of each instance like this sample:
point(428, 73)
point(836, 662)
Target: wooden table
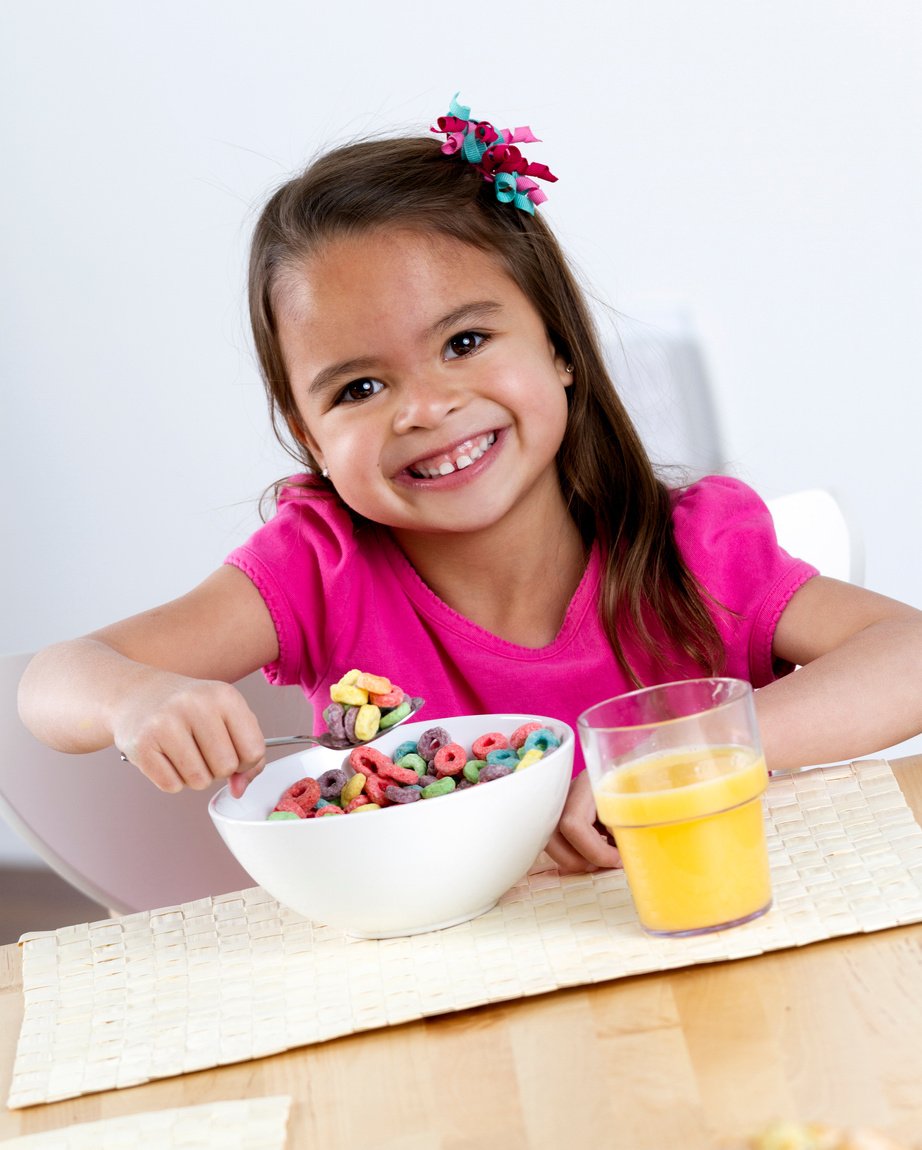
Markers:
point(696, 1058)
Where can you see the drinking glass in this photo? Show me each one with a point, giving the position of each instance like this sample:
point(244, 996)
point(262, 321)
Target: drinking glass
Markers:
point(677, 772)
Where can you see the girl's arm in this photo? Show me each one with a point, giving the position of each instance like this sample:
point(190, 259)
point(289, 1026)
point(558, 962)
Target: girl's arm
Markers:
point(858, 690)
point(158, 686)
point(859, 687)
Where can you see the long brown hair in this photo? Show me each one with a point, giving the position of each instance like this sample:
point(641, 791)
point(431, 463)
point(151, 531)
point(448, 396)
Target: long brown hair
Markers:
point(607, 479)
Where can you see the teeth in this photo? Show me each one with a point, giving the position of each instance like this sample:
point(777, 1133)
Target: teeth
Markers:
point(467, 453)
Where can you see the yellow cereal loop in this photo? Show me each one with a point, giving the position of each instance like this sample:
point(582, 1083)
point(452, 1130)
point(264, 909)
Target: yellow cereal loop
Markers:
point(348, 680)
point(352, 789)
point(366, 807)
point(367, 721)
point(528, 758)
point(354, 696)
point(375, 684)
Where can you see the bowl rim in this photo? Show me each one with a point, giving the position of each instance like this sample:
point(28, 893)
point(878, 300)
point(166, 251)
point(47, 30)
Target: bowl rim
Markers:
point(569, 736)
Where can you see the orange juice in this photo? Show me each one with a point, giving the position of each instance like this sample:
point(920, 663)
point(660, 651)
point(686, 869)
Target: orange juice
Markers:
point(689, 827)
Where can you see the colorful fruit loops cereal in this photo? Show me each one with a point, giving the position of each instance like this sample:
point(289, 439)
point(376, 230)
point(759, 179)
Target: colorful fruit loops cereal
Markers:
point(364, 705)
point(431, 766)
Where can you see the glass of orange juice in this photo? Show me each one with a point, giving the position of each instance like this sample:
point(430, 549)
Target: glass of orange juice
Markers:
point(677, 772)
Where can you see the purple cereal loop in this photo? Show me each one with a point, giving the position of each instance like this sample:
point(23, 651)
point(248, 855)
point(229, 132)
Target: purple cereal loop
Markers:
point(402, 794)
point(332, 782)
point(349, 723)
point(333, 717)
point(425, 780)
point(494, 771)
point(429, 742)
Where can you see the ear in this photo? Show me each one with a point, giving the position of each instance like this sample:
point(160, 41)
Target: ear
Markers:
point(564, 369)
point(303, 436)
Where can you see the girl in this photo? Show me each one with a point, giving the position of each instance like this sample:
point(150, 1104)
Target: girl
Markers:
point(476, 516)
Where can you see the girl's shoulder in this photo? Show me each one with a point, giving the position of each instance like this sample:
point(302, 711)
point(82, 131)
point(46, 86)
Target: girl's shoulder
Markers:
point(717, 510)
point(308, 526)
point(716, 496)
point(723, 528)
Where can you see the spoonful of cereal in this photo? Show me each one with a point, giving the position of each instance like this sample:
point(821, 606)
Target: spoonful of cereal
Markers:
point(363, 706)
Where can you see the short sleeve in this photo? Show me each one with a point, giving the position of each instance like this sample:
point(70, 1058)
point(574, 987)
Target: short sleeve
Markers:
point(292, 560)
point(726, 536)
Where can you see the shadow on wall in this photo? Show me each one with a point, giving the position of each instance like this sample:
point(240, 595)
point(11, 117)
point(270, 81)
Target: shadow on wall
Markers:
point(659, 373)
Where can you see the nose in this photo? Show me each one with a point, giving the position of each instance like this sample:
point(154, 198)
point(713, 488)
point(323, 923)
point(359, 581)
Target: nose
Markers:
point(425, 403)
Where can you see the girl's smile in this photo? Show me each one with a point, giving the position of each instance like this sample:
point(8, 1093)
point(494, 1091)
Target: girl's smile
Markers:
point(462, 455)
point(419, 368)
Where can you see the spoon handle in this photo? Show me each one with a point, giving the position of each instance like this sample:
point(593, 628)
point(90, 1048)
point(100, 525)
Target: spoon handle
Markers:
point(284, 740)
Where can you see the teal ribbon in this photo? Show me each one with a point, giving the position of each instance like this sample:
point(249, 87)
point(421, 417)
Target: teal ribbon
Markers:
point(507, 192)
point(459, 110)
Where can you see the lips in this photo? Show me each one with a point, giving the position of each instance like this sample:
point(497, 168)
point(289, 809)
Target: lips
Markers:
point(460, 456)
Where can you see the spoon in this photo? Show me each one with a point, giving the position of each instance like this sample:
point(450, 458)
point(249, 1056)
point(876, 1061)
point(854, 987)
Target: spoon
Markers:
point(329, 740)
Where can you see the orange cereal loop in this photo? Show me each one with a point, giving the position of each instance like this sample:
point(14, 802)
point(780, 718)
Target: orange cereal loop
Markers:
point(392, 698)
point(377, 684)
point(520, 734)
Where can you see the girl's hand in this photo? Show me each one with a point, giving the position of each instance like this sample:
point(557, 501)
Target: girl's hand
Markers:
point(578, 844)
point(180, 731)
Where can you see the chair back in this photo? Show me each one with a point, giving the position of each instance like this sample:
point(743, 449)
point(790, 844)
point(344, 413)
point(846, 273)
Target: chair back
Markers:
point(814, 526)
point(659, 373)
point(105, 828)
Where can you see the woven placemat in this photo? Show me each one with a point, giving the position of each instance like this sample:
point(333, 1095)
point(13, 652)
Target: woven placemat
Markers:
point(119, 1002)
point(240, 1124)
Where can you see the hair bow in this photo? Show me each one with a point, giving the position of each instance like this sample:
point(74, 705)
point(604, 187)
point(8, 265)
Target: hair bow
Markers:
point(494, 153)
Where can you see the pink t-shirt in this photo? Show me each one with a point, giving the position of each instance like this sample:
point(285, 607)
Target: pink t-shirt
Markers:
point(343, 598)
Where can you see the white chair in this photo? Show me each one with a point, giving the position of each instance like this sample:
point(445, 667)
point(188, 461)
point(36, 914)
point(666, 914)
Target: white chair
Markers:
point(107, 830)
point(659, 373)
point(812, 525)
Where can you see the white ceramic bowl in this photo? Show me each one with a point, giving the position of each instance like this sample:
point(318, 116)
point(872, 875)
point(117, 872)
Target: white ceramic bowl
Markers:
point(404, 869)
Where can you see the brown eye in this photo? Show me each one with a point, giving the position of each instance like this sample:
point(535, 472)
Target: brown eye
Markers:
point(358, 390)
point(465, 342)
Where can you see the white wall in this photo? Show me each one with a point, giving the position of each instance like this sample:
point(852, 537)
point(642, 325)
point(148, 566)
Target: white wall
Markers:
point(757, 164)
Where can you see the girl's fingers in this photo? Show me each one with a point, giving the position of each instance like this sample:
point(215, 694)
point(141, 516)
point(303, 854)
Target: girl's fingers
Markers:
point(568, 860)
point(189, 733)
point(238, 783)
point(250, 744)
point(159, 768)
point(578, 842)
point(249, 741)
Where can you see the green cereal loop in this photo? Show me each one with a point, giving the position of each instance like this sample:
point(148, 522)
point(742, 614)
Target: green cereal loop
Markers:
point(278, 816)
point(472, 769)
point(442, 787)
point(413, 762)
point(391, 717)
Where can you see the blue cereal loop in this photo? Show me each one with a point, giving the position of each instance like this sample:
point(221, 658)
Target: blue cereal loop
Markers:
point(505, 757)
point(541, 740)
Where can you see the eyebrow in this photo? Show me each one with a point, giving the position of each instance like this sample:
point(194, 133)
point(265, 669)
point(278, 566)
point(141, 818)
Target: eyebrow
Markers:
point(466, 313)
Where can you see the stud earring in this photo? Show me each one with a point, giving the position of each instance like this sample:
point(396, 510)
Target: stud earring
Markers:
point(325, 473)
point(569, 369)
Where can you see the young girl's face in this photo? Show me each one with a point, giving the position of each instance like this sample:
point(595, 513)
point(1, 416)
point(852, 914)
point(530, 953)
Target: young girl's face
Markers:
point(426, 381)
